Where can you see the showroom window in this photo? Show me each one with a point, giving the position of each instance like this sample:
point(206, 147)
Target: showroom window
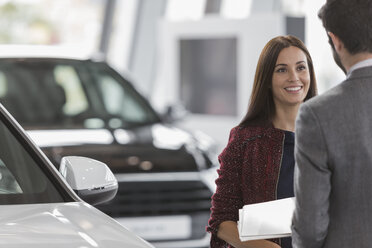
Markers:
point(208, 71)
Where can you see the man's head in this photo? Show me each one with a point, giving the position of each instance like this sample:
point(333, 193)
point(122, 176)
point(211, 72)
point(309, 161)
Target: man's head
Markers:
point(350, 22)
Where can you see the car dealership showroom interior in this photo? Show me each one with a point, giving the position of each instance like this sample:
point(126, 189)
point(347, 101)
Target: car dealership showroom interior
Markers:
point(113, 113)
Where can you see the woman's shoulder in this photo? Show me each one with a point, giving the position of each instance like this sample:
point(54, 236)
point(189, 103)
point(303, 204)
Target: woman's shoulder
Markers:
point(243, 136)
point(250, 132)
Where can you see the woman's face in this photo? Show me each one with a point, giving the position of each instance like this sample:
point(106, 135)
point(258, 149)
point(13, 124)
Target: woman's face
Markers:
point(291, 77)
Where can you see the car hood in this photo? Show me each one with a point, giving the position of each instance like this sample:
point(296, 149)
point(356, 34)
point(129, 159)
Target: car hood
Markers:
point(62, 225)
point(159, 135)
point(153, 148)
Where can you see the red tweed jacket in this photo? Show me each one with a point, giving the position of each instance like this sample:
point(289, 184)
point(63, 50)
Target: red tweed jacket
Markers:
point(249, 173)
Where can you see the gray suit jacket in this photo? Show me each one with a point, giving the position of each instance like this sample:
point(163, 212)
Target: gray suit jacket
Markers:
point(333, 172)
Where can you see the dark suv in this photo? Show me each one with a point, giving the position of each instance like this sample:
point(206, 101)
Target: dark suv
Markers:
point(84, 107)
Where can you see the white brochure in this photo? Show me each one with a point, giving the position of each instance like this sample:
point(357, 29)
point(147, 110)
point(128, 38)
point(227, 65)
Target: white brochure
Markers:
point(266, 220)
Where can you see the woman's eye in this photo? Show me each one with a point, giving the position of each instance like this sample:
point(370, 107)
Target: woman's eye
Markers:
point(301, 67)
point(281, 70)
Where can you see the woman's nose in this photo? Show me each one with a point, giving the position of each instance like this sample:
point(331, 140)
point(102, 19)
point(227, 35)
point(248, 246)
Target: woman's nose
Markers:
point(292, 76)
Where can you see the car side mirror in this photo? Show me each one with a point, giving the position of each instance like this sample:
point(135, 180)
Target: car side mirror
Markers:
point(92, 180)
point(174, 113)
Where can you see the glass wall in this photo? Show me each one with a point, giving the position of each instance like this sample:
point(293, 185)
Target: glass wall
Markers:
point(207, 77)
point(52, 22)
point(79, 23)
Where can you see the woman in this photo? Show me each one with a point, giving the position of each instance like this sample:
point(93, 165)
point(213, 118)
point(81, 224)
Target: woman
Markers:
point(258, 163)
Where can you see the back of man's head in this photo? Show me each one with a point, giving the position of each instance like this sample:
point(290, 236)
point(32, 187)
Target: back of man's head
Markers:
point(351, 21)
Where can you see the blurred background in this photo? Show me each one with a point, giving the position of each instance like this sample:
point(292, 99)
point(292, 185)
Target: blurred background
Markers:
point(193, 61)
point(196, 54)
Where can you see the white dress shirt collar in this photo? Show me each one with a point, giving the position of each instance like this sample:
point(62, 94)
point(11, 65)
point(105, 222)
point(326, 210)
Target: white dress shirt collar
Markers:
point(361, 64)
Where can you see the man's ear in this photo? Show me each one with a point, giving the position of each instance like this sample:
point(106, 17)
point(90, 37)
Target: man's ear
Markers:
point(336, 42)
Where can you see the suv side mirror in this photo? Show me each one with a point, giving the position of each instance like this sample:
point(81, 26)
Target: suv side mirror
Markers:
point(92, 180)
point(174, 112)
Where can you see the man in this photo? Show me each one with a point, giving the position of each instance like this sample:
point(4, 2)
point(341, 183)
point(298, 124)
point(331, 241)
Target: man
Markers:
point(333, 173)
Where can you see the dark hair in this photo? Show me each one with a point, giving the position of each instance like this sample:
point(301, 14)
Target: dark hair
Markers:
point(261, 109)
point(350, 20)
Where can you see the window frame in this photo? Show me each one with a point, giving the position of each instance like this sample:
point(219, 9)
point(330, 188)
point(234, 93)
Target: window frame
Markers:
point(37, 155)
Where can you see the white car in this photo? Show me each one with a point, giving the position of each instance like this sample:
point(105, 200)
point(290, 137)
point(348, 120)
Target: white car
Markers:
point(42, 207)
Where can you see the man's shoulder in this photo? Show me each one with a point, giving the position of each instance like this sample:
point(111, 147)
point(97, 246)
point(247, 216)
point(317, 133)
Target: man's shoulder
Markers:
point(341, 92)
point(329, 99)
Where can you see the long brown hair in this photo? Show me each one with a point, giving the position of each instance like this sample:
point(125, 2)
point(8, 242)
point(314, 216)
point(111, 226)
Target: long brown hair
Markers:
point(261, 109)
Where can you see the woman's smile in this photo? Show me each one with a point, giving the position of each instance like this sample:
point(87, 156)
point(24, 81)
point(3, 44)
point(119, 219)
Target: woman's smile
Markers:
point(294, 89)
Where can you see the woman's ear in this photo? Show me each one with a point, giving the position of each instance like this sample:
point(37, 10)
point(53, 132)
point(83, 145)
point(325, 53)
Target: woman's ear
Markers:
point(336, 42)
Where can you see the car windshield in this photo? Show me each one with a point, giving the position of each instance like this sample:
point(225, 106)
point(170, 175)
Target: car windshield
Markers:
point(22, 179)
point(52, 93)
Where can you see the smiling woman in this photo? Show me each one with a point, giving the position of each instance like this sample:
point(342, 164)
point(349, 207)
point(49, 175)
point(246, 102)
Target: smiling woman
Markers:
point(290, 84)
point(262, 107)
point(258, 163)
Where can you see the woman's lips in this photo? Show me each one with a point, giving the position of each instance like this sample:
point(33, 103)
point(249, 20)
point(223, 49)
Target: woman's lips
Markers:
point(293, 89)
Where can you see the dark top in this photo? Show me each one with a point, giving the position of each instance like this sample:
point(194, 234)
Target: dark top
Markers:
point(285, 184)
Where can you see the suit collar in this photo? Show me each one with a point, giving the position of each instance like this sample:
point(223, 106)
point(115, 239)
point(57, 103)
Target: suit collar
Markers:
point(360, 72)
point(361, 64)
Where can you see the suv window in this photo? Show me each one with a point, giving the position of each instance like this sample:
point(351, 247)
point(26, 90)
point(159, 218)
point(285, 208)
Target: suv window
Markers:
point(22, 181)
point(70, 94)
point(76, 100)
point(120, 101)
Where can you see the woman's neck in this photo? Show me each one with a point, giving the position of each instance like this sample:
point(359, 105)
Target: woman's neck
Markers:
point(285, 118)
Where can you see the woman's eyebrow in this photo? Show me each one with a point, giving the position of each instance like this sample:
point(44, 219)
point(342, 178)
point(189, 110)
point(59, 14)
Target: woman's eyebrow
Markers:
point(299, 62)
point(280, 65)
